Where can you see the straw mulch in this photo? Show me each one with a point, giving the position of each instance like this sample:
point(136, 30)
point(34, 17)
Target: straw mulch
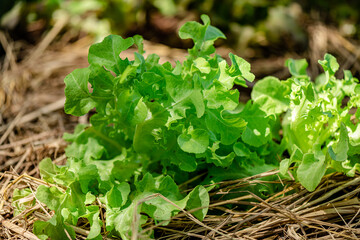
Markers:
point(32, 123)
point(330, 212)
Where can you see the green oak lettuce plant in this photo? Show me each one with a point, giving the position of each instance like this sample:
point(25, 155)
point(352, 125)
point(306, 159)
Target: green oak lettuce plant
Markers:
point(321, 121)
point(157, 126)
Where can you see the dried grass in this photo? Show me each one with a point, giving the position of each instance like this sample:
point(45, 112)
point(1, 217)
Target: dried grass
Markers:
point(329, 212)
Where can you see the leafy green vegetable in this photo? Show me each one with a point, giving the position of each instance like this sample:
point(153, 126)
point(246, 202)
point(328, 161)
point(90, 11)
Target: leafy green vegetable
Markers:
point(153, 124)
point(202, 35)
point(157, 125)
point(195, 141)
point(270, 95)
point(80, 100)
point(22, 199)
point(311, 169)
point(317, 125)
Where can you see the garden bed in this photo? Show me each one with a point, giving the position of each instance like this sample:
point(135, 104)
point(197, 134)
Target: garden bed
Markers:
point(33, 122)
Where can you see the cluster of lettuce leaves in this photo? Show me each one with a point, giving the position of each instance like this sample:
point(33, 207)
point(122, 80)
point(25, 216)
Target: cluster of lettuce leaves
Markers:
point(156, 126)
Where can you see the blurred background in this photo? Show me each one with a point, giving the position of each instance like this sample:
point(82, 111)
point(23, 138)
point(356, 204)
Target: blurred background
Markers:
point(43, 40)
